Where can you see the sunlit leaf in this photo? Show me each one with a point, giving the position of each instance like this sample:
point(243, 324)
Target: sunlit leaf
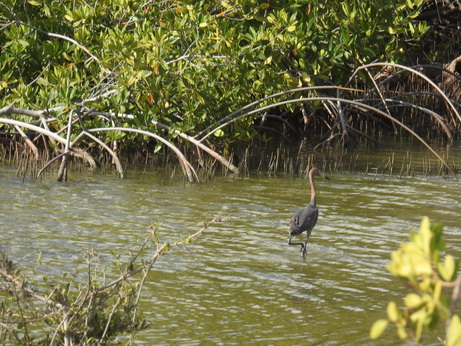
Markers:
point(454, 332)
point(447, 270)
point(218, 133)
point(158, 146)
point(413, 300)
point(378, 328)
point(392, 312)
point(402, 333)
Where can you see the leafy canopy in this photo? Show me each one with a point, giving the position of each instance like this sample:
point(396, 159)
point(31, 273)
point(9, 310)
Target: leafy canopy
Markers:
point(188, 63)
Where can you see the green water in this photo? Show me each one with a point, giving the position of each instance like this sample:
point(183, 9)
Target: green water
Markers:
point(240, 282)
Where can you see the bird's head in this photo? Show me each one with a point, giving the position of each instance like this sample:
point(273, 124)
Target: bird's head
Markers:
point(315, 171)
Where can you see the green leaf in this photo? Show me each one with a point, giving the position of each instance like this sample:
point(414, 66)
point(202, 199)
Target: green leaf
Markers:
point(392, 312)
point(345, 7)
point(158, 146)
point(378, 328)
point(426, 235)
point(402, 333)
point(413, 301)
point(454, 332)
point(447, 270)
point(143, 74)
point(69, 16)
point(219, 133)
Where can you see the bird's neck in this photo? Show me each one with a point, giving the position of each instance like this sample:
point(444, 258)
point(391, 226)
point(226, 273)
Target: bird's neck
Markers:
point(312, 184)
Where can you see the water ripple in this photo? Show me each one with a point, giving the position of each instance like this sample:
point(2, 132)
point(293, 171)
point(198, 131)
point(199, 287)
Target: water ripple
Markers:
point(240, 282)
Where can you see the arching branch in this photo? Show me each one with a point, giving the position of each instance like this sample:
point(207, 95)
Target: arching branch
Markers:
point(186, 166)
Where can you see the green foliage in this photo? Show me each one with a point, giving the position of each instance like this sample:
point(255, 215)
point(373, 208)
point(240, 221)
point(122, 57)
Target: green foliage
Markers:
point(419, 263)
point(188, 63)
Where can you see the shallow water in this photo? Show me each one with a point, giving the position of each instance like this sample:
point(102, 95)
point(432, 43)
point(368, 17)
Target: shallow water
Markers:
point(239, 282)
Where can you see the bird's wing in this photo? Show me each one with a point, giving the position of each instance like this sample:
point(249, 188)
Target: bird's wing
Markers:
point(304, 219)
point(307, 217)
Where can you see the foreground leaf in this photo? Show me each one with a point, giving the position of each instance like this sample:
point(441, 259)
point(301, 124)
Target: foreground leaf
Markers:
point(454, 332)
point(378, 328)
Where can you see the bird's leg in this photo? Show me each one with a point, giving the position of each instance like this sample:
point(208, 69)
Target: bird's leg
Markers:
point(303, 247)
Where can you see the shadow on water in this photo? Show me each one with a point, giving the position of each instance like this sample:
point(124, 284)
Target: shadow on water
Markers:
point(240, 282)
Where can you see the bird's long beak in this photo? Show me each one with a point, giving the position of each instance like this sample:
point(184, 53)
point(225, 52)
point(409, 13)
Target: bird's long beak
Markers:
point(323, 175)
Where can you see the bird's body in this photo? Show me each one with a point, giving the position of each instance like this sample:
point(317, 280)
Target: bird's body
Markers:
point(305, 218)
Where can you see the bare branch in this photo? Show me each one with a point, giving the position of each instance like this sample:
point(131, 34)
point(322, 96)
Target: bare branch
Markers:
point(118, 165)
point(34, 128)
point(456, 295)
point(191, 139)
point(423, 76)
point(209, 130)
point(8, 110)
point(186, 166)
point(335, 99)
point(28, 141)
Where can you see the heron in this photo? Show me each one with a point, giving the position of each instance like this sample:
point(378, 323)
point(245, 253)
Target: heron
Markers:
point(305, 218)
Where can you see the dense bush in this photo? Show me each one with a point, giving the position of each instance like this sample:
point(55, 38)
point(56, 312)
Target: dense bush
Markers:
point(186, 64)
